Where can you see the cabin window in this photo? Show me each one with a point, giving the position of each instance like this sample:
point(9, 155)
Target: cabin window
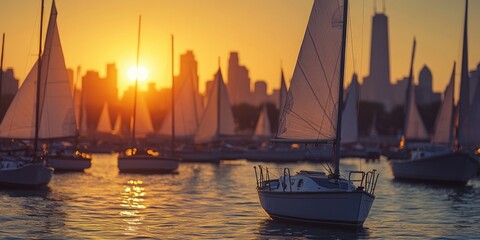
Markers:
point(300, 183)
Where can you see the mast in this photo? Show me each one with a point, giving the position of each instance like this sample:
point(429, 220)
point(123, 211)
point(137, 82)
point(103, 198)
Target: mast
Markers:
point(173, 102)
point(219, 85)
point(136, 83)
point(409, 88)
point(37, 106)
point(1, 65)
point(464, 99)
point(340, 95)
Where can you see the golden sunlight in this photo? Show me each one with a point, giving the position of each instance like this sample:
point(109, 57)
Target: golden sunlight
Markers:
point(142, 73)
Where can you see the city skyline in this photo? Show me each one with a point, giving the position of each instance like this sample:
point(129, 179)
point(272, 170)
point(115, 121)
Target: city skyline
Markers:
point(267, 34)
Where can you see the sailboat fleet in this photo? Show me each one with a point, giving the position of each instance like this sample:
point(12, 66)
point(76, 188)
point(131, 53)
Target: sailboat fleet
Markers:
point(448, 157)
point(312, 112)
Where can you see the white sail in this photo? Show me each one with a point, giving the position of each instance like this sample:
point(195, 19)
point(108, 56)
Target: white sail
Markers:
point(143, 122)
point(217, 119)
point(263, 124)
point(57, 113)
point(443, 133)
point(311, 108)
point(104, 124)
point(414, 127)
point(350, 113)
point(188, 110)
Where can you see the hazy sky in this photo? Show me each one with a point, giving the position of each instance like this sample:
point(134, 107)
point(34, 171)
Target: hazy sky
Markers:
point(266, 33)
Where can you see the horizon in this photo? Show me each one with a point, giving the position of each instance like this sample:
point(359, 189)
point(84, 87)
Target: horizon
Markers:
point(267, 35)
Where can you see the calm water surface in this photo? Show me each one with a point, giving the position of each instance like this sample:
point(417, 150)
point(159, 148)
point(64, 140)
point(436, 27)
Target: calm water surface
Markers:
point(219, 201)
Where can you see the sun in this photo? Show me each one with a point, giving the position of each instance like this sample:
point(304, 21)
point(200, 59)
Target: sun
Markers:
point(142, 73)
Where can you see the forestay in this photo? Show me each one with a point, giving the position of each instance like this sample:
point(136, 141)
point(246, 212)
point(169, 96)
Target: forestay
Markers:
point(311, 108)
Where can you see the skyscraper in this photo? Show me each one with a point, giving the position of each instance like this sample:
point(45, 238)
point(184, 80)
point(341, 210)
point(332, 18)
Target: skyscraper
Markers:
point(376, 87)
point(238, 81)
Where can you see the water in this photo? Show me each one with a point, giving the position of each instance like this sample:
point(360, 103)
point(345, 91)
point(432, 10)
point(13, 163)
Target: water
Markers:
point(219, 201)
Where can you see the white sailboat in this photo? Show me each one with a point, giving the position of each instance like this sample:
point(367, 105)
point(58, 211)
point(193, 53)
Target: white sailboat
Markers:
point(262, 130)
point(187, 109)
point(216, 124)
point(135, 159)
point(447, 162)
point(312, 115)
point(36, 114)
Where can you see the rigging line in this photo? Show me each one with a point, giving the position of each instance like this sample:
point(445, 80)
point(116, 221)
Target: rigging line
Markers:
point(321, 64)
point(297, 116)
point(314, 94)
point(351, 40)
point(361, 46)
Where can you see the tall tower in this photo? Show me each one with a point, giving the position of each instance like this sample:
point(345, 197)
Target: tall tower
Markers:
point(238, 81)
point(376, 87)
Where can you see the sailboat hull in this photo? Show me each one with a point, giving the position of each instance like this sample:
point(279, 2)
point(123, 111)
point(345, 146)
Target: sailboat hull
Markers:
point(331, 208)
point(29, 175)
point(69, 163)
point(200, 156)
point(147, 164)
point(454, 168)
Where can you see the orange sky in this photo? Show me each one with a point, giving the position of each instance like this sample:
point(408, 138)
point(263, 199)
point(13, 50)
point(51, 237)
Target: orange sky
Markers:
point(266, 33)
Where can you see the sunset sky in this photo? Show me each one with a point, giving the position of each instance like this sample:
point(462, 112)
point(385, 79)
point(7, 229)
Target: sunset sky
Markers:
point(266, 33)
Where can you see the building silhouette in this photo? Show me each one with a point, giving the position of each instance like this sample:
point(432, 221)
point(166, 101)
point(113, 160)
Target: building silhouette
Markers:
point(238, 85)
point(424, 91)
point(376, 86)
point(259, 95)
point(9, 87)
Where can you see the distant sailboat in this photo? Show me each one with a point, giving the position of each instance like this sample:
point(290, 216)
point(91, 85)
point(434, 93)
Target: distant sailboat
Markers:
point(350, 113)
point(448, 164)
point(262, 130)
point(36, 114)
point(216, 124)
point(312, 114)
point(135, 159)
point(188, 111)
point(217, 121)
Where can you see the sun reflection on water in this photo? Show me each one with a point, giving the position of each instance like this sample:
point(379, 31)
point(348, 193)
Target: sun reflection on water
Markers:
point(132, 204)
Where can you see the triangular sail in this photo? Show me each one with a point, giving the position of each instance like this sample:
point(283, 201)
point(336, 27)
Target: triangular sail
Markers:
point(350, 113)
point(263, 124)
point(373, 128)
point(57, 112)
point(217, 119)
point(414, 128)
point(188, 112)
point(143, 122)
point(311, 108)
point(443, 133)
point(104, 122)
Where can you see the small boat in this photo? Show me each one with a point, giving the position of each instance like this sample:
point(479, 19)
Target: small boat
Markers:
point(135, 159)
point(311, 116)
point(68, 159)
point(448, 158)
point(40, 116)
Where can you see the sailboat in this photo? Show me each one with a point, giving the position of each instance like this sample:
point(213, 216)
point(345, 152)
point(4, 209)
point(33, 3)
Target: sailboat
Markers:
point(312, 114)
point(216, 124)
point(447, 163)
point(36, 113)
point(140, 160)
